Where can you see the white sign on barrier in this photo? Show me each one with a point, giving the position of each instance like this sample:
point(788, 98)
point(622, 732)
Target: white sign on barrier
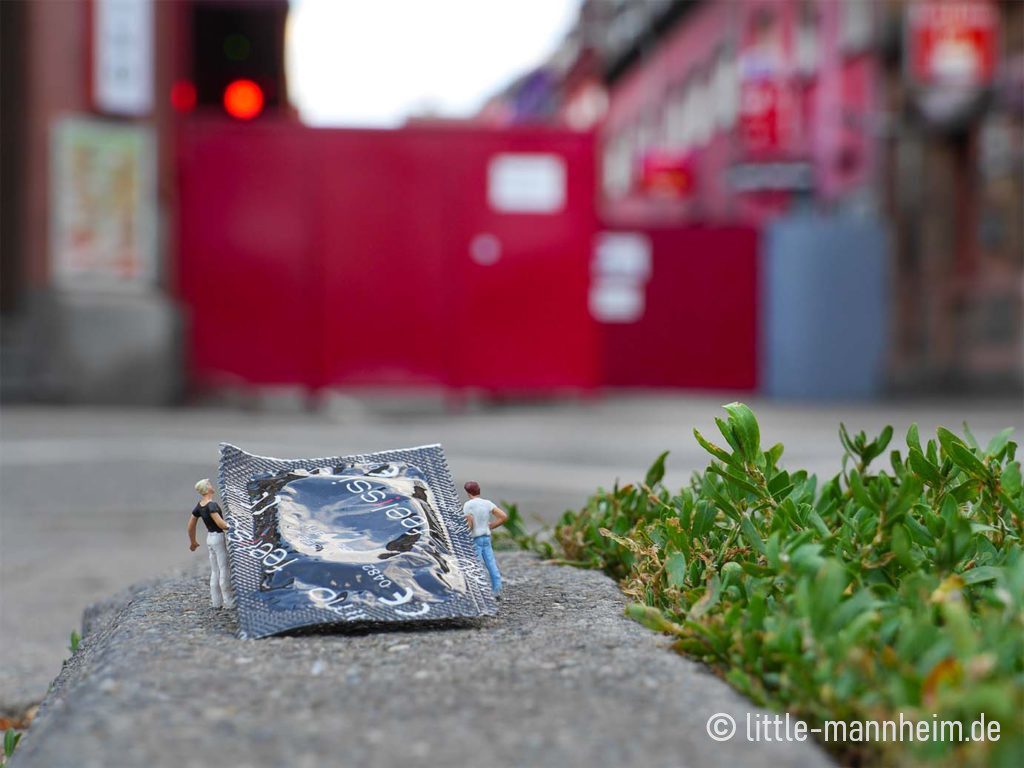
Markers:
point(619, 273)
point(526, 183)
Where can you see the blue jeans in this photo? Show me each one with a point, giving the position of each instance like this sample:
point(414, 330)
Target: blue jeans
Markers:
point(486, 553)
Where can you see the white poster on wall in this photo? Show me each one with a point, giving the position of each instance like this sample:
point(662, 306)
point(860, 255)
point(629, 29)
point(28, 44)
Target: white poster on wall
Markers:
point(122, 62)
point(103, 211)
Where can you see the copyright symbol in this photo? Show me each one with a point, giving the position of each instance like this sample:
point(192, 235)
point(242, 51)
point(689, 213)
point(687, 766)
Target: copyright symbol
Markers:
point(721, 726)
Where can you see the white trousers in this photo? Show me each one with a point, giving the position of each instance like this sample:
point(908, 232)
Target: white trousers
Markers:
point(220, 582)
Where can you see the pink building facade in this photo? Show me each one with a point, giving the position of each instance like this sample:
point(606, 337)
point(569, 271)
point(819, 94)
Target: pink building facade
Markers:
point(740, 111)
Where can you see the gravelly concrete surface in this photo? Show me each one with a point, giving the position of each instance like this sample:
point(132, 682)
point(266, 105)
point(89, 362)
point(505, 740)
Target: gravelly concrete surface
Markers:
point(559, 678)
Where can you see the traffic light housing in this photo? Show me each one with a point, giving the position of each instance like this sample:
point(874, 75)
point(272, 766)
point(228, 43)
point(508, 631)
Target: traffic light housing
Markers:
point(238, 56)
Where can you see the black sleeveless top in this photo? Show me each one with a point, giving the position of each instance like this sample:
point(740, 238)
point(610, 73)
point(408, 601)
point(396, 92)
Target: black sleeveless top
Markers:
point(207, 514)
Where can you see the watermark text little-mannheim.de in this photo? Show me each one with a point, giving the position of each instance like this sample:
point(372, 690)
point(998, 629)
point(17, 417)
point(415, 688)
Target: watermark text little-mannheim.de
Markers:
point(764, 727)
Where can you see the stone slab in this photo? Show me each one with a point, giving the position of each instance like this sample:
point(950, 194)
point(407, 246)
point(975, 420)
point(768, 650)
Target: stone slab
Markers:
point(559, 678)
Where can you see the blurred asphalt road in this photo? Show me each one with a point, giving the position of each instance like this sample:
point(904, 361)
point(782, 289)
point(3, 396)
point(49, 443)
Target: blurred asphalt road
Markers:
point(92, 500)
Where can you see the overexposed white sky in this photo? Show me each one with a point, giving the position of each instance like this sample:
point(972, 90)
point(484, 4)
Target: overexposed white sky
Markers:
point(374, 62)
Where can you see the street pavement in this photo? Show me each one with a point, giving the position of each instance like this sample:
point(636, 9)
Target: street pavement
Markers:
point(558, 679)
point(93, 500)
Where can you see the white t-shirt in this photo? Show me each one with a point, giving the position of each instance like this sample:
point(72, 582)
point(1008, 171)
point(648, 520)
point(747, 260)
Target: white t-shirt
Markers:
point(480, 510)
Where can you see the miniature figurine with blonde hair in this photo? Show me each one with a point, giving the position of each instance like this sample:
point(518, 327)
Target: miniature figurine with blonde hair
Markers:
point(208, 511)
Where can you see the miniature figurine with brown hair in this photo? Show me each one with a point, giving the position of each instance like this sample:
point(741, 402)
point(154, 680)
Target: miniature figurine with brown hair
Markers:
point(208, 511)
point(482, 517)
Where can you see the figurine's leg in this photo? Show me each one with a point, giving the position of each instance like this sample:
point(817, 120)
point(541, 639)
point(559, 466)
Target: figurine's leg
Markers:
point(216, 600)
point(486, 552)
point(221, 551)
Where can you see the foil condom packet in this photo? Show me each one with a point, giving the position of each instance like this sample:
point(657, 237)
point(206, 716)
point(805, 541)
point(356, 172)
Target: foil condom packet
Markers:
point(374, 538)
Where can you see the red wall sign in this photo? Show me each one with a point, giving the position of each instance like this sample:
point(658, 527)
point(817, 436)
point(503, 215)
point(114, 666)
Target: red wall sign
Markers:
point(763, 115)
point(666, 174)
point(952, 43)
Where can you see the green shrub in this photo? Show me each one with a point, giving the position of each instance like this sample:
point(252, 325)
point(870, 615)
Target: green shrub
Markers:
point(875, 593)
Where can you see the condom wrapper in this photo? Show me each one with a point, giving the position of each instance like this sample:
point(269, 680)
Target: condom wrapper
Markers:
point(349, 540)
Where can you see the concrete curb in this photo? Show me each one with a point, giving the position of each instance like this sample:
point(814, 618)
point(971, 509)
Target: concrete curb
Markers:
point(559, 678)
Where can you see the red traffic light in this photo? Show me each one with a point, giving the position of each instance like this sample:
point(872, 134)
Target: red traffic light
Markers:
point(243, 99)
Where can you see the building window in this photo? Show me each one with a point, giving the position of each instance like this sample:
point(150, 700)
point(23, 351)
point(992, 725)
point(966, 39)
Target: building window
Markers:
point(675, 118)
point(763, 54)
point(618, 164)
point(807, 39)
point(703, 110)
point(725, 89)
point(687, 135)
point(649, 134)
point(856, 21)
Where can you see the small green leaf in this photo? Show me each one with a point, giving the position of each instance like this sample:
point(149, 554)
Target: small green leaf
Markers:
point(896, 461)
point(958, 627)
point(1011, 479)
point(928, 471)
point(817, 521)
point(860, 492)
point(826, 594)
point(675, 569)
point(949, 510)
point(771, 551)
point(844, 438)
point(953, 446)
point(732, 571)
point(909, 494)
point(11, 739)
point(650, 617)
point(971, 439)
point(967, 461)
point(745, 427)
point(780, 485)
point(981, 574)
point(901, 547)
point(751, 535)
point(711, 448)
point(874, 449)
point(914, 439)
point(657, 471)
point(732, 476)
point(997, 443)
point(708, 601)
point(729, 434)
point(720, 501)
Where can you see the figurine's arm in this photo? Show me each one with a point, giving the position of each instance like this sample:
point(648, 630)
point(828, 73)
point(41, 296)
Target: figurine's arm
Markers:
point(499, 515)
point(193, 545)
point(469, 523)
point(215, 516)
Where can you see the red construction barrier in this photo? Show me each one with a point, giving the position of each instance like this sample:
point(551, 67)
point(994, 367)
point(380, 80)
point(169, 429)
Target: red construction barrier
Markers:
point(698, 328)
point(438, 256)
point(451, 256)
point(247, 235)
